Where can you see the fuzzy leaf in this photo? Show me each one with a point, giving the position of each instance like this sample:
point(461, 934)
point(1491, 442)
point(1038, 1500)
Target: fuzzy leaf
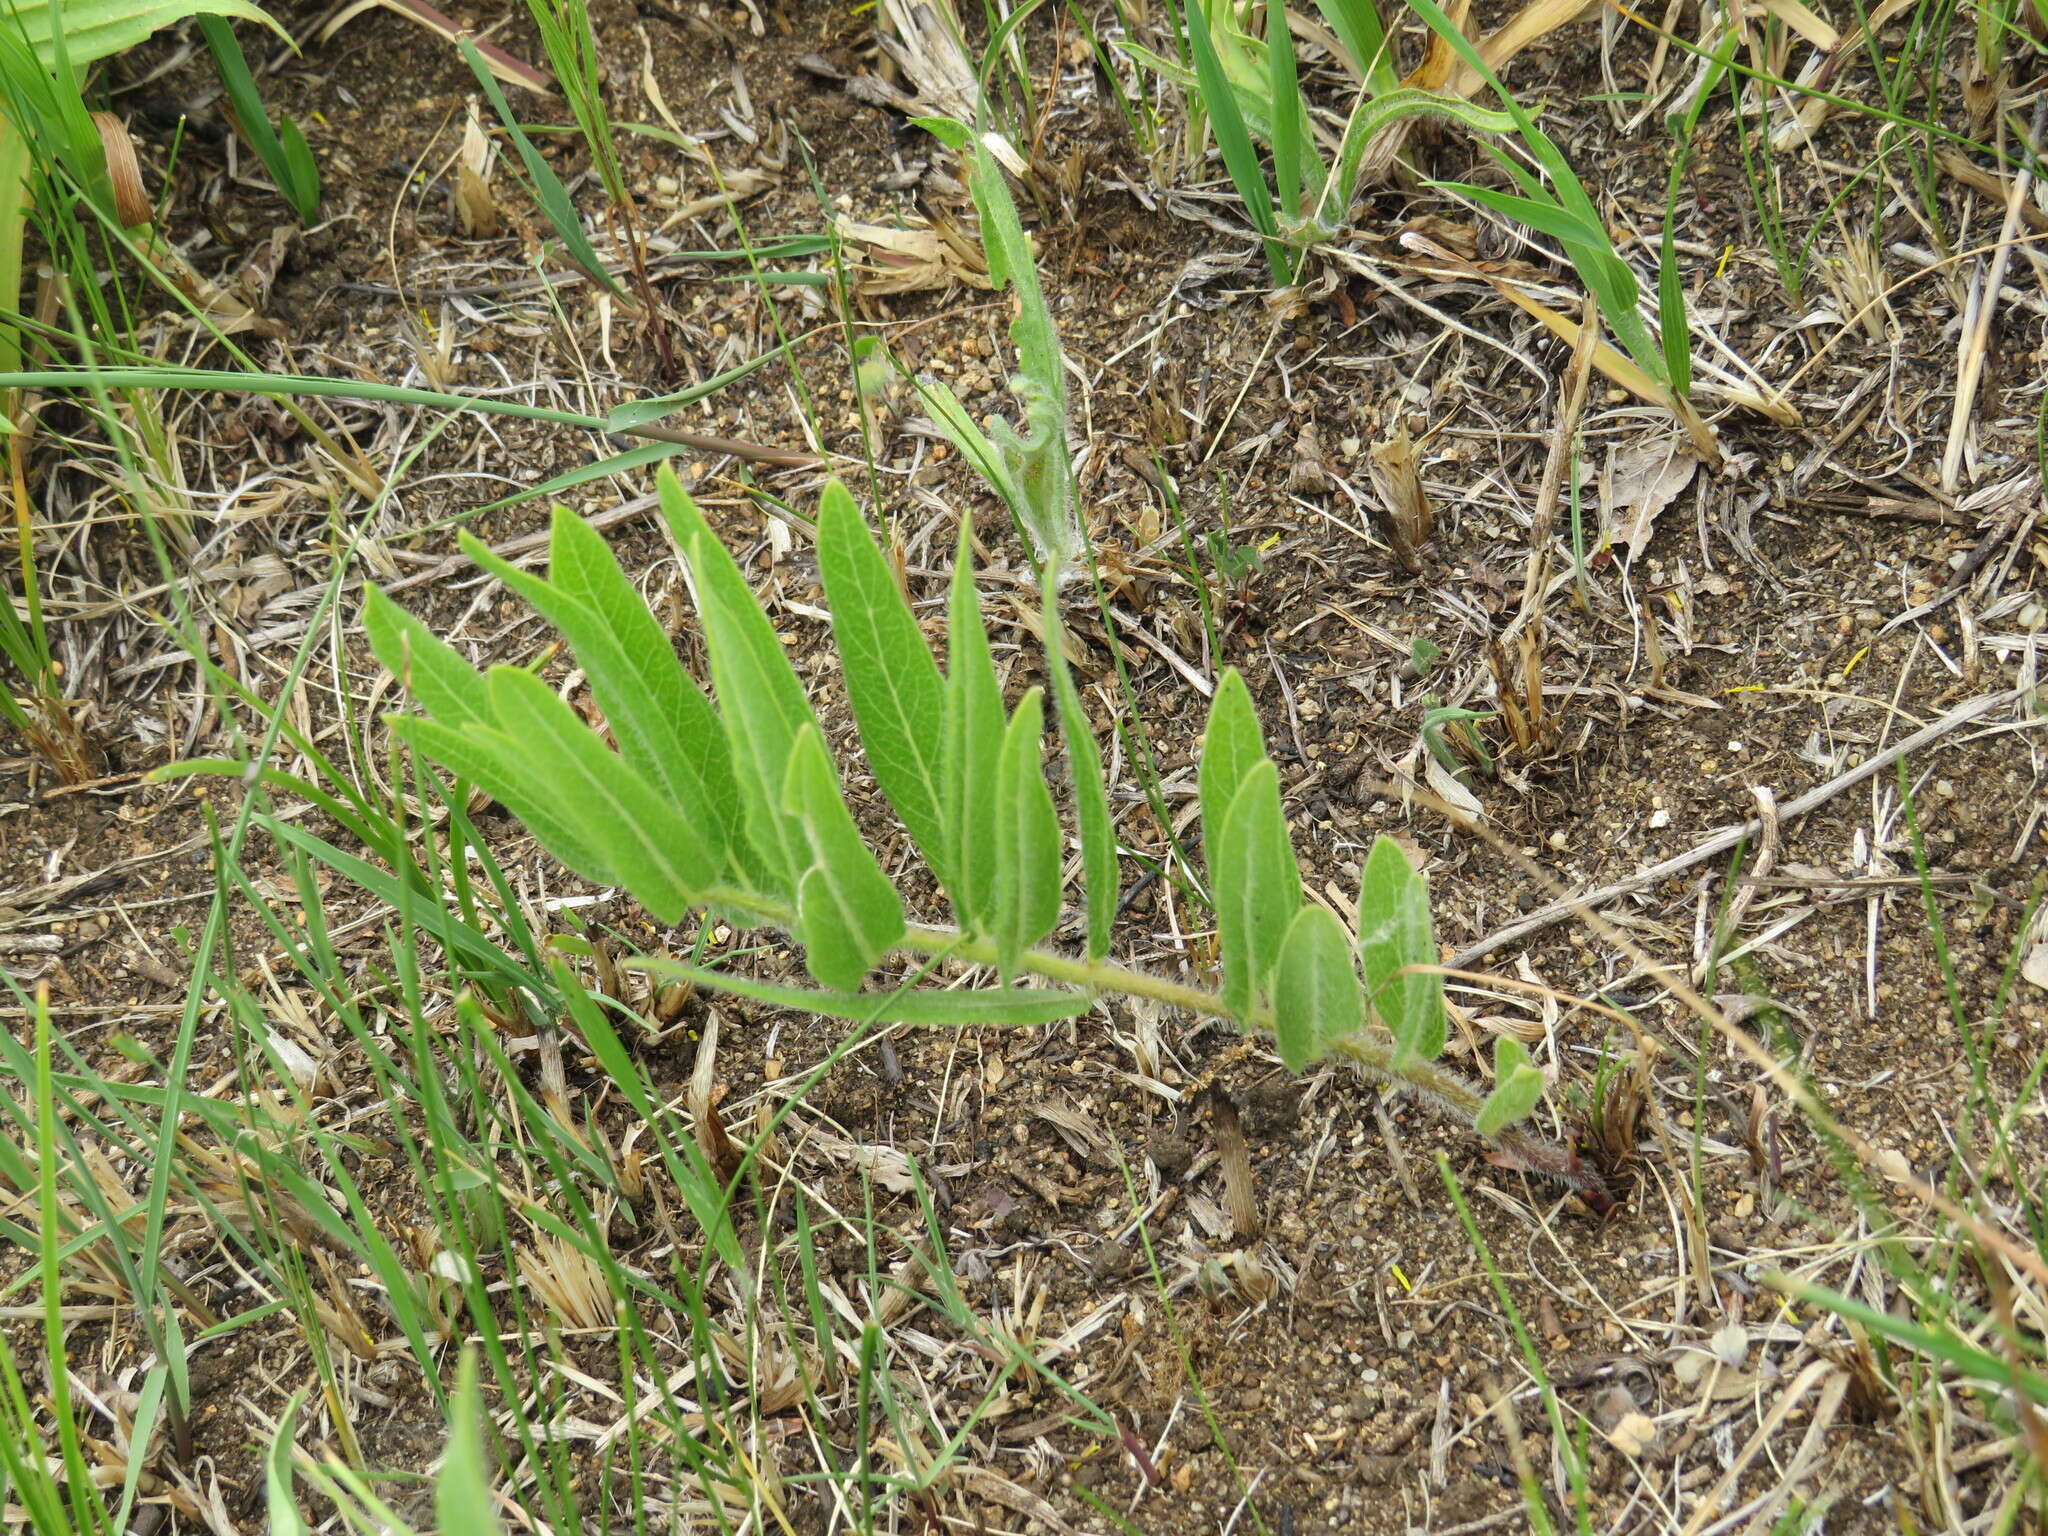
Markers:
point(1091, 794)
point(660, 856)
point(848, 914)
point(1316, 999)
point(1258, 889)
point(759, 696)
point(523, 780)
point(899, 699)
point(1394, 931)
point(1027, 840)
point(666, 729)
point(1517, 1088)
point(426, 666)
point(973, 749)
point(1231, 748)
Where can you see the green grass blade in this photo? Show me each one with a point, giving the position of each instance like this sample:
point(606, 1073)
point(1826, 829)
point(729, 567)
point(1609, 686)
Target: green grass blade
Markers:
point(1234, 140)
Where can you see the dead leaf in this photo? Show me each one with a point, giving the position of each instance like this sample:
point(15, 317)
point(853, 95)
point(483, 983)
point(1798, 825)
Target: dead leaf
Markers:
point(1641, 480)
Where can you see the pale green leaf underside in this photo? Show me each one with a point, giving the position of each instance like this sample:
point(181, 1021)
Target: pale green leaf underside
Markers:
point(1394, 932)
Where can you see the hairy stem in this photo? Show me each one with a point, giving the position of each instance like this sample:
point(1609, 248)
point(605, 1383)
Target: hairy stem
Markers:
point(1373, 1049)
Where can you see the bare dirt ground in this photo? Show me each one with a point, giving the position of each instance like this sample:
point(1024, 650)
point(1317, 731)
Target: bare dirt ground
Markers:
point(1335, 1364)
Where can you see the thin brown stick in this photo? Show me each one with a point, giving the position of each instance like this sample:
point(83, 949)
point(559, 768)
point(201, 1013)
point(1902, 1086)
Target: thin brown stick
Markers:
point(1728, 837)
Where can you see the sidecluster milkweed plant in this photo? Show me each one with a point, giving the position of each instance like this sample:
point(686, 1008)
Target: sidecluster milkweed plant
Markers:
point(731, 802)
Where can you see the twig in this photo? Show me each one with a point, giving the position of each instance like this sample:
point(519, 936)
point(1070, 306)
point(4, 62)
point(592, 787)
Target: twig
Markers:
point(1977, 334)
point(1728, 837)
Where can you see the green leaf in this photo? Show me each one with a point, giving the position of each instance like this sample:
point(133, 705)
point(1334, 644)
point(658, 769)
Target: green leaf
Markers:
point(848, 914)
point(1316, 999)
point(1358, 27)
point(524, 781)
point(942, 1009)
point(462, 1494)
point(1394, 931)
point(1091, 794)
point(1027, 840)
point(1517, 1088)
point(281, 1504)
point(547, 187)
point(667, 730)
point(758, 693)
point(973, 748)
point(1231, 747)
point(426, 666)
point(1234, 139)
point(898, 696)
point(1257, 888)
point(659, 855)
point(98, 29)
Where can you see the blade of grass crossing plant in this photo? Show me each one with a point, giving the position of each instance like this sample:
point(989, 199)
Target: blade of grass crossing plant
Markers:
point(973, 748)
point(1027, 840)
point(679, 1154)
point(1394, 931)
point(660, 856)
point(1517, 1088)
point(758, 693)
point(548, 190)
point(1316, 999)
point(1257, 889)
point(1234, 140)
point(898, 697)
point(667, 731)
point(847, 912)
point(1091, 794)
point(923, 1010)
point(510, 774)
point(462, 1493)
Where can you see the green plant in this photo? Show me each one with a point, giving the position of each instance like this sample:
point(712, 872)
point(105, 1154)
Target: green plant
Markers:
point(283, 149)
point(1251, 95)
point(736, 807)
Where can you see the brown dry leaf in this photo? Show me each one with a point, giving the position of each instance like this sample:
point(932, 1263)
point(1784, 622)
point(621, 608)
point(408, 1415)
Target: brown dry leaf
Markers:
point(476, 210)
point(1396, 470)
point(131, 203)
point(924, 40)
point(1640, 481)
point(1533, 22)
point(2035, 965)
point(910, 259)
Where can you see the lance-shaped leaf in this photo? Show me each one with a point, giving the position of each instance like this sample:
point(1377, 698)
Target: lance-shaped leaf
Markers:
point(899, 699)
point(973, 749)
point(759, 696)
point(1091, 794)
point(1258, 889)
point(666, 729)
point(1027, 840)
point(524, 782)
point(848, 914)
point(1316, 999)
point(1517, 1088)
point(426, 666)
point(1394, 932)
point(659, 855)
point(1231, 748)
